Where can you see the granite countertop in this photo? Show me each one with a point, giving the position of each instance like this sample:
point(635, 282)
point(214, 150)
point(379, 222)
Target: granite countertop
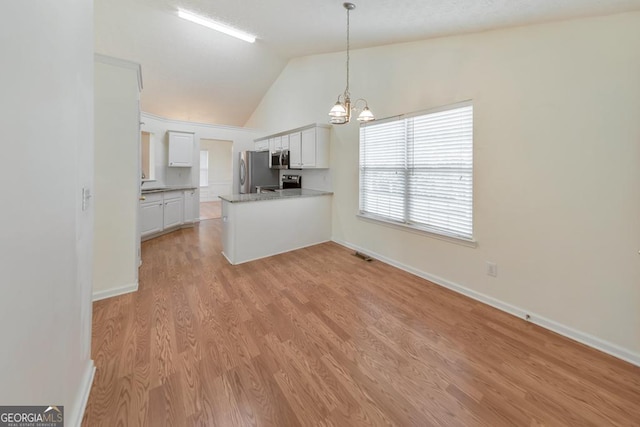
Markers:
point(171, 188)
point(277, 195)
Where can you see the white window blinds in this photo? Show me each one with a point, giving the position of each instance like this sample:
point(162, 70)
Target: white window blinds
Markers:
point(418, 170)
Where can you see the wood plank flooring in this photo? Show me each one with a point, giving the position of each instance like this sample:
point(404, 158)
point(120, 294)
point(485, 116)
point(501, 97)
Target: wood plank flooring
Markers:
point(320, 337)
point(210, 210)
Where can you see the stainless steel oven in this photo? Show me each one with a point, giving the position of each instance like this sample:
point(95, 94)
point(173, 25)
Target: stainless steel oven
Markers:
point(291, 181)
point(279, 159)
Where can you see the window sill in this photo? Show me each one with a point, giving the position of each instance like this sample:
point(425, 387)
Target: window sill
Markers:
point(417, 230)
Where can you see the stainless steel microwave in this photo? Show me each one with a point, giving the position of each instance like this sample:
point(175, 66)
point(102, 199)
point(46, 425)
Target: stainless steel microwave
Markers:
point(279, 159)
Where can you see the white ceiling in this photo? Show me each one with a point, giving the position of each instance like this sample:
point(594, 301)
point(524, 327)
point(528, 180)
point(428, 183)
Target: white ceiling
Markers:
point(193, 73)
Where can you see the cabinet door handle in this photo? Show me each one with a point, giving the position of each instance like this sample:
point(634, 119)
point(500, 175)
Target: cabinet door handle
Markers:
point(143, 198)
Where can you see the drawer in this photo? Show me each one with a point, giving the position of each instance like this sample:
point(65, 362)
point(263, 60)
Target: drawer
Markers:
point(170, 195)
point(151, 198)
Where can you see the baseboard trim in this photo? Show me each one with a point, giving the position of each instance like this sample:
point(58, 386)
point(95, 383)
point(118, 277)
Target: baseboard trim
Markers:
point(566, 331)
point(83, 398)
point(275, 253)
point(114, 292)
point(169, 230)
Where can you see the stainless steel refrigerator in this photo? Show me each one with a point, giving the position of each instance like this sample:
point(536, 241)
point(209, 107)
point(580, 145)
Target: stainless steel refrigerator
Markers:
point(255, 171)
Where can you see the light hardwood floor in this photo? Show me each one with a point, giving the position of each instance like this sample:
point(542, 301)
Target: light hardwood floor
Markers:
point(320, 337)
point(210, 210)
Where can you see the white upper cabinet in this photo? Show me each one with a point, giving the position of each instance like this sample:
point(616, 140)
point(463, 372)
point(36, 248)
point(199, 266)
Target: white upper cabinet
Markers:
point(308, 146)
point(279, 143)
point(284, 142)
point(275, 144)
point(295, 154)
point(261, 145)
point(180, 149)
point(308, 155)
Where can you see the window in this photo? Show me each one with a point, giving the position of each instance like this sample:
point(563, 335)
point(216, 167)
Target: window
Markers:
point(204, 168)
point(417, 170)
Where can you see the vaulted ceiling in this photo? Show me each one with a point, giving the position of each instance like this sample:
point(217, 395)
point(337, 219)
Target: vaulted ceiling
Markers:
point(195, 74)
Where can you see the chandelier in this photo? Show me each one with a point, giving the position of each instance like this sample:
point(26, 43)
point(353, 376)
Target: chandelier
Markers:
point(341, 111)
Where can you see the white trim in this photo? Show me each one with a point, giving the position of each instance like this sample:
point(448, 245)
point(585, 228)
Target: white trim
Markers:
point(274, 254)
point(113, 292)
point(123, 63)
point(587, 339)
point(209, 125)
point(226, 257)
point(290, 131)
point(439, 109)
point(566, 331)
point(470, 243)
point(75, 419)
point(411, 135)
point(169, 230)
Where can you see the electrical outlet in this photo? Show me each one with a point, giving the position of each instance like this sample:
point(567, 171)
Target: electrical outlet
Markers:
point(492, 269)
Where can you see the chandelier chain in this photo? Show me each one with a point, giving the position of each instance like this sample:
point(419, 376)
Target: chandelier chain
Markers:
point(346, 92)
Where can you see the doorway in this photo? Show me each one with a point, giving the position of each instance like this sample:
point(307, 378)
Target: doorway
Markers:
point(216, 175)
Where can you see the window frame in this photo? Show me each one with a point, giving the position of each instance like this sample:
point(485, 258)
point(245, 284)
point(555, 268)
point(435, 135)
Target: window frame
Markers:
point(201, 169)
point(406, 224)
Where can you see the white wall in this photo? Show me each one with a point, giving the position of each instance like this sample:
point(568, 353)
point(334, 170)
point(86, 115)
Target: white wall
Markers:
point(242, 140)
point(557, 164)
point(220, 182)
point(117, 176)
point(315, 179)
point(45, 237)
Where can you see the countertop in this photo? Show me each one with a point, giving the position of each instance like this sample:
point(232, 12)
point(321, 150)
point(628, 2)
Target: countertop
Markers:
point(163, 189)
point(277, 195)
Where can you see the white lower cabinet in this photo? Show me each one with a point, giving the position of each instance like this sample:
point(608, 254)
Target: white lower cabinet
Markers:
point(151, 215)
point(189, 208)
point(165, 211)
point(173, 206)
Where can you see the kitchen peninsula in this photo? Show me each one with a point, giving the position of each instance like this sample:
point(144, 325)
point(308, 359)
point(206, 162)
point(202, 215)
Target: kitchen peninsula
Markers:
point(258, 225)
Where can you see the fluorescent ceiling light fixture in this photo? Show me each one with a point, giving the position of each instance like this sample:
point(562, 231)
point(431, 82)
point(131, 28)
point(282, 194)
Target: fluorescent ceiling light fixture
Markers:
point(216, 26)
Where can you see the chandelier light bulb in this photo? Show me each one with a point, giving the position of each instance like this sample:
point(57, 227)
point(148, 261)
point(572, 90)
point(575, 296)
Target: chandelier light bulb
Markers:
point(338, 110)
point(366, 115)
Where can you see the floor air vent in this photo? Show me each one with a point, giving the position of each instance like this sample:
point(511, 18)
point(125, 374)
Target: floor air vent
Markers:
point(363, 256)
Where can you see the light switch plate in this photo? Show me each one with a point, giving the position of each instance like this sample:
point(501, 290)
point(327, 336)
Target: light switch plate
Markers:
point(86, 195)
